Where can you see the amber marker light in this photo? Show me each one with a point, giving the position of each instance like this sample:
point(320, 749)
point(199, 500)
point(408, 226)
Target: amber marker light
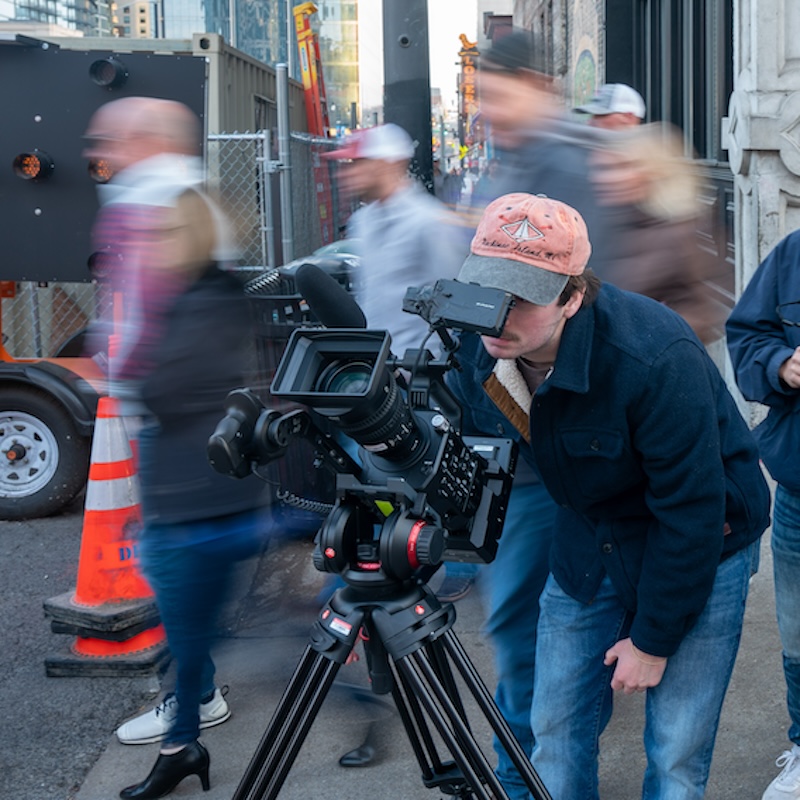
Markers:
point(100, 171)
point(33, 166)
point(109, 73)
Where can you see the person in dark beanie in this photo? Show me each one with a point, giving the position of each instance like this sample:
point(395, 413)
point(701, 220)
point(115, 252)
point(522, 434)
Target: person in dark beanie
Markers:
point(539, 150)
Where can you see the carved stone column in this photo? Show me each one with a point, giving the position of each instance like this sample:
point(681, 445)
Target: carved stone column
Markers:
point(762, 135)
point(762, 130)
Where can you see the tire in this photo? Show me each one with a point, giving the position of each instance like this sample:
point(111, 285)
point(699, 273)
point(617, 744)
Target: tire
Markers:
point(44, 462)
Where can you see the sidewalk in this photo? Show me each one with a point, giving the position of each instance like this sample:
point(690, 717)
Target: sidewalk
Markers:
point(271, 622)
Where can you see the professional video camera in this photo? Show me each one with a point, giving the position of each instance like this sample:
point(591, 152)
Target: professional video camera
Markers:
point(422, 493)
point(419, 493)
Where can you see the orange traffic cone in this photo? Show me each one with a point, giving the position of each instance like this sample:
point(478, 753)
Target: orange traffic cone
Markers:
point(112, 611)
point(107, 567)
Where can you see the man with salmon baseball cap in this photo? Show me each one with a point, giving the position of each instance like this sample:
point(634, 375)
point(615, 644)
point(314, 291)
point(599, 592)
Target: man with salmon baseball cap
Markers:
point(631, 430)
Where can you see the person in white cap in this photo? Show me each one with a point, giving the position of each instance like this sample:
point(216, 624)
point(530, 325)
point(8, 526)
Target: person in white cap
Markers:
point(404, 236)
point(615, 106)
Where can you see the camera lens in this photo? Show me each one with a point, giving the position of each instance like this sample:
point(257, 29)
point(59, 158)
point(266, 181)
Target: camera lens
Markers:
point(345, 378)
point(383, 423)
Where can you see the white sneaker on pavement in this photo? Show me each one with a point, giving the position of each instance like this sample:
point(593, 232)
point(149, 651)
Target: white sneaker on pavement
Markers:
point(153, 725)
point(787, 785)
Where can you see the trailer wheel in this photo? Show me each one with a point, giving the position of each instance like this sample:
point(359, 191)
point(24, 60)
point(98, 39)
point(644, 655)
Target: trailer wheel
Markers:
point(44, 462)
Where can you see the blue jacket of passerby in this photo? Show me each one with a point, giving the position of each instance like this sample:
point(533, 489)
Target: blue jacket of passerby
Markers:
point(759, 342)
point(637, 438)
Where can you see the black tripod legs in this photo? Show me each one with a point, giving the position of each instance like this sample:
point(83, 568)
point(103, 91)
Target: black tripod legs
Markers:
point(411, 650)
point(289, 727)
point(418, 673)
point(486, 703)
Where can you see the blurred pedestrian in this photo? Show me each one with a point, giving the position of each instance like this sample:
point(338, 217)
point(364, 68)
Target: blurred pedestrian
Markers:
point(540, 147)
point(615, 106)
point(182, 346)
point(405, 238)
point(438, 178)
point(539, 150)
point(764, 343)
point(151, 148)
point(644, 173)
point(544, 150)
point(661, 500)
point(453, 188)
point(485, 185)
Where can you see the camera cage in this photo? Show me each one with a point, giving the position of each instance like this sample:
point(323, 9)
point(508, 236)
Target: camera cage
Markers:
point(421, 493)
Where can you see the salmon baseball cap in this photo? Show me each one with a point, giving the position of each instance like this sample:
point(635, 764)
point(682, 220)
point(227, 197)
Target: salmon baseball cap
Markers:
point(527, 245)
point(387, 142)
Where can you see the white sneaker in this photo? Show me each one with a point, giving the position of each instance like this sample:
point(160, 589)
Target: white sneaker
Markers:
point(153, 725)
point(787, 785)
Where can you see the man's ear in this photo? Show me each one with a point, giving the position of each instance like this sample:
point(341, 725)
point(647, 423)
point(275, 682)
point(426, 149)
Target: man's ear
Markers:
point(572, 306)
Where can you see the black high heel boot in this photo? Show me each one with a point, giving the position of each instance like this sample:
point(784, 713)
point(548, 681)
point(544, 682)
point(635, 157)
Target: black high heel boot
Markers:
point(169, 771)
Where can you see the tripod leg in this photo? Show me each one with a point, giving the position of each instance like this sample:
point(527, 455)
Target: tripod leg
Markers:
point(447, 776)
point(417, 670)
point(487, 705)
point(288, 728)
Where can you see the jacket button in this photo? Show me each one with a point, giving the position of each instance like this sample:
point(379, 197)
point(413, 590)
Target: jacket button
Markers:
point(607, 548)
point(595, 444)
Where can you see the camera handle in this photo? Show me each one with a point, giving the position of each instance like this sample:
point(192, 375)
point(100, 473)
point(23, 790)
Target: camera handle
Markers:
point(411, 649)
point(246, 420)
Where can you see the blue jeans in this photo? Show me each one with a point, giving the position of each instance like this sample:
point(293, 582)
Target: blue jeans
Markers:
point(515, 579)
point(786, 565)
point(573, 697)
point(189, 567)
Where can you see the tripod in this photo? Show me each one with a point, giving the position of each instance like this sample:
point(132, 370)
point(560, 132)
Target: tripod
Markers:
point(410, 648)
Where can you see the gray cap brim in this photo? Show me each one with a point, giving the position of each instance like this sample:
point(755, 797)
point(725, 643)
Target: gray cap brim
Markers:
point(534, 284)
point(595, 109)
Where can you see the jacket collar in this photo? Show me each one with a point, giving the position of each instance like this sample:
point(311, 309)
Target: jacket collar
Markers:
point(571, 370)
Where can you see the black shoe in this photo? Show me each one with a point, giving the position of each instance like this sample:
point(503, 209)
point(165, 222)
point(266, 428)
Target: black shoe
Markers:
point(360, 757)
point(169, 771)
point(454, 588)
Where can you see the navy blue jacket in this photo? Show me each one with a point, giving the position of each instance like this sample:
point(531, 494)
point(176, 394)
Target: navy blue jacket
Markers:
point(759, 343)
point(637, 438)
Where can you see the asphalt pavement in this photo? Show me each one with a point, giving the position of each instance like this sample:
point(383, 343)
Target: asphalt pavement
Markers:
point(57, 736)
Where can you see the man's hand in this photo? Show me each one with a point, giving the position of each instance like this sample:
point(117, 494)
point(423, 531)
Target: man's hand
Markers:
point(789, 371)
point(635, 670)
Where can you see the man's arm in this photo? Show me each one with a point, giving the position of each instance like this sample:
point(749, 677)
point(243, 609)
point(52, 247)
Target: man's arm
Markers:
point(766, 364)
point(675, 430)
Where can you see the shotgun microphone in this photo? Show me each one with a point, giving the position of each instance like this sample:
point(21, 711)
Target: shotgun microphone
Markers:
point(332, 305)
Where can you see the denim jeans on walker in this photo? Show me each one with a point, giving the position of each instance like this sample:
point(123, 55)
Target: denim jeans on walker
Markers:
point(189, 566)
point(573, 697)
point(786, 566)
point(516, 578)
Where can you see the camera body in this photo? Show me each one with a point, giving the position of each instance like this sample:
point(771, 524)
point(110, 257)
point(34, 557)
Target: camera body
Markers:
point(417, 492)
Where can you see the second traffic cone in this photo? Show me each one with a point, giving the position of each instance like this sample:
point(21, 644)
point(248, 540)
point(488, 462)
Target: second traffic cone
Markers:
point(112, 611)
point(107, 567)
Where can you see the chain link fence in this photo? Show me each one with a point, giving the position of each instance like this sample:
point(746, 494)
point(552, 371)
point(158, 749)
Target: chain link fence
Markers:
point(243, 175)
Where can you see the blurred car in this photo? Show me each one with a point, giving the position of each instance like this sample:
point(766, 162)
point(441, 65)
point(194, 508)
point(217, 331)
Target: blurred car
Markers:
point(338, 259)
